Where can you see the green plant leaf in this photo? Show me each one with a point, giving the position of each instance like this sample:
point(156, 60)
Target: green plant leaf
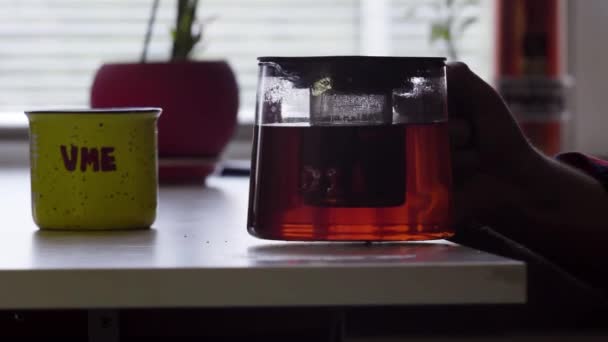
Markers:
point(440, 31)
point(466, 23)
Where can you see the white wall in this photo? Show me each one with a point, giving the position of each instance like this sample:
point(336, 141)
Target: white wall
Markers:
point(588, 63)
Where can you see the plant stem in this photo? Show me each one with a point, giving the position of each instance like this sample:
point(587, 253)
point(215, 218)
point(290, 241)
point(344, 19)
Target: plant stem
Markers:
point(144, 53)
point(450, 20)
point(183, 40)
point(452, 54)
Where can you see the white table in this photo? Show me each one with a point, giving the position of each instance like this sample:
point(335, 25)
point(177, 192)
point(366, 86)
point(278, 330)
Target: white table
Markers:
point(198, 254)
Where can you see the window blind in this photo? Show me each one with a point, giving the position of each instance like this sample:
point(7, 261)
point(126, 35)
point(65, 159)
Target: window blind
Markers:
point(50, 49)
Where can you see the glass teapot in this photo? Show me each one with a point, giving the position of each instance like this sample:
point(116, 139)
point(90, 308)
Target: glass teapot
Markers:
point(351, 148)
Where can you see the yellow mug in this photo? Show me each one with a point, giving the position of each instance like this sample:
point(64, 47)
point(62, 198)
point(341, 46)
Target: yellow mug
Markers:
point(94, 169)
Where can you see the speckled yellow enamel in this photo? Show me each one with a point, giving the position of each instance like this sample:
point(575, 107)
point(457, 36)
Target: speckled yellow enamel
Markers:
point(93, 170)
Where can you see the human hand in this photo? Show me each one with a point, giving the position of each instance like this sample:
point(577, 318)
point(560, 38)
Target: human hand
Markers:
point(491, 158)
point(500, 180)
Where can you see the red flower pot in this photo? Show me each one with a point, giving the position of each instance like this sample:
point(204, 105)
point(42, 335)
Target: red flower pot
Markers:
point(199, 101)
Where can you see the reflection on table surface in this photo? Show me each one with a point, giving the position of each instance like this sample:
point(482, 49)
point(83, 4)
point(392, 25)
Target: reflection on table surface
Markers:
point(197, 226)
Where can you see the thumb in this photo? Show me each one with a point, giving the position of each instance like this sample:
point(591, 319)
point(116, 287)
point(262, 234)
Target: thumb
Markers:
point(470, 98)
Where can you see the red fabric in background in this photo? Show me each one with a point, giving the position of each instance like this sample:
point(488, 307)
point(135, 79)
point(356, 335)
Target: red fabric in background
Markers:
point(594, 167)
